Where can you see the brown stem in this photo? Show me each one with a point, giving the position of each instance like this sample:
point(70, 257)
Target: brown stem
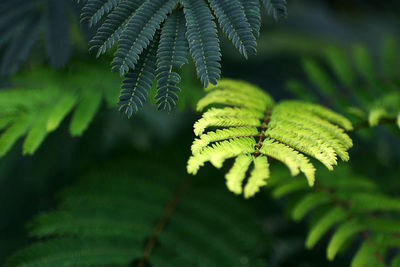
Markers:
point(262, 130)
point(161, 223)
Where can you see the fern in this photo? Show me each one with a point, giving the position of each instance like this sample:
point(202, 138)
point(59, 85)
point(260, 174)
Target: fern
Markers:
point(252, 129)
point(21, 23)
point(35, 107)
point(372, 90)
point(353, 207)
point(133, 25)
point(161, 220)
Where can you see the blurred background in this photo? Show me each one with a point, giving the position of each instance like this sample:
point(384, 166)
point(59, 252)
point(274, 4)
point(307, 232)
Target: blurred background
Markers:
point(28, 184)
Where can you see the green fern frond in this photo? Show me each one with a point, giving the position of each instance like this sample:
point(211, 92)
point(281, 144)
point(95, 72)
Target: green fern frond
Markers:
point(371, 95)
point(161, 220)
point(349, 206)
point(47, 99)
point(133, 24)
point(255, 129)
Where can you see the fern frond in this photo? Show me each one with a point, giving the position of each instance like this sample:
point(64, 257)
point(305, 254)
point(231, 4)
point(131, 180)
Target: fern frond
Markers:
point(252, 11)
point(256, 129)
point(348, 206)
point(94, 10)
point(372, 94)
point(276, 8)
point(203, 41)
point(109, 32)
point(138, 33)
point(138, 82)
point(39, 108)
point(234, 24)
point(172, 53)
point(87, 230)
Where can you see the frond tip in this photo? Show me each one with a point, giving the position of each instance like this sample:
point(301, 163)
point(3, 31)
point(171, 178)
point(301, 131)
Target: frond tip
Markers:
point(253, 129)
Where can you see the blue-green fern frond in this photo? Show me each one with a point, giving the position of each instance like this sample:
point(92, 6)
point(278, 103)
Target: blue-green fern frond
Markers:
point(94, 10)
point(172, 53)
point(203, 41)
point(252, 11)
point(139, 31)
point(138, 81)
point(234, 24)
point(276, 8)
point(252, 128)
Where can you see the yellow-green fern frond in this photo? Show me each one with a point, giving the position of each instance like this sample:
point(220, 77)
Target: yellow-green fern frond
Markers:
point(252, 128)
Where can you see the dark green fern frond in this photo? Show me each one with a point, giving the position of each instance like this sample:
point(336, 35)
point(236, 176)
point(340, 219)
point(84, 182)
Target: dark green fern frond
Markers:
point(371, 90)
point(21, 23)
point(110, 218)
point(139, 31)
point(276, 8)
point(94, 10)
point(353, 209)
point(203, 41)
point(138, 82)
point(110, 31)
point(252, 128)
point(172, 53)
point(234, 24)
point(132, 25)
point(47, 98)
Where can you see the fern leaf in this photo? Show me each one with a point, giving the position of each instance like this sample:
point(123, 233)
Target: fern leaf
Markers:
point(110, 31)
point(253, 125)
point(237, 174)
point(37, 133)
point(234, 24)
point(276, 8)
point(138, 33)
point(16, 130)
point(252, 11)
point(60, 111)
point(329, 219)
point(342, 234)
point(138, 82)
point(94, 10)
point(85, 112)
point(258, 177)
point(203, 41)
point(172, 53)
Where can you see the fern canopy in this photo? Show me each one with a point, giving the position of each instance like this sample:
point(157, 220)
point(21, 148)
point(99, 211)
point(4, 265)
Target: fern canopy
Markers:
point(41, 99)
point(110, 219)
point(352, 208)
point(253, 129)
point(185, 26)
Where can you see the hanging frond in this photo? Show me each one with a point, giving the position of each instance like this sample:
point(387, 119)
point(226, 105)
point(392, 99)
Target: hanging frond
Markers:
point(48, 97)
point(21, 24)
point(252, 128)
point(276, 8)
point(352, 208)
point(160, 220)
point(172, 53)
point(371, 92)
point(132, 25)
